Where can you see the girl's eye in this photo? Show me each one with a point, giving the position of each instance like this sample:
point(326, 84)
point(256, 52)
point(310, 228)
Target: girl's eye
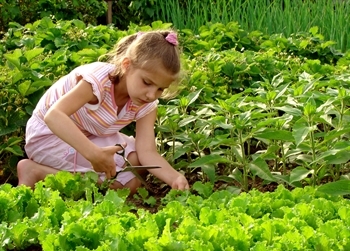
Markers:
point(146, 83)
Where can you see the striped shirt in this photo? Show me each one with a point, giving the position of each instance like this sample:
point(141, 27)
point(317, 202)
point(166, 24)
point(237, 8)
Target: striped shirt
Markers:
point(99, 119)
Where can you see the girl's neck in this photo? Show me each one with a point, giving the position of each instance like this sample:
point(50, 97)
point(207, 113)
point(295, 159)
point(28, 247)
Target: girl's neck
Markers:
point(121, 95)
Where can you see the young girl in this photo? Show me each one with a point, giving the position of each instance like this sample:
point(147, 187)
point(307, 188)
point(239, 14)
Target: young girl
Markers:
point(76, 123)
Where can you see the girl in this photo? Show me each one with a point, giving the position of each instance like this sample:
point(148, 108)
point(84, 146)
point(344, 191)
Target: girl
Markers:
point(76, 123)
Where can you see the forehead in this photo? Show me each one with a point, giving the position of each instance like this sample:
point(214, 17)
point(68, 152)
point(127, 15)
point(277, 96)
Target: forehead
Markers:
point(156, 73)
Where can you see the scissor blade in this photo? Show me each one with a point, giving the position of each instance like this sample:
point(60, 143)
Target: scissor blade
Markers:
point(135, 168)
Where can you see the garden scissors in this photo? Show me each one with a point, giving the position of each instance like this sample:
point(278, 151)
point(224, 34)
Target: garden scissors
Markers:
point(130, 168)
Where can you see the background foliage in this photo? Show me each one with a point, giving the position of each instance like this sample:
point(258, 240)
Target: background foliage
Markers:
point(261, 106)
point(256, 108)
point(269, 16)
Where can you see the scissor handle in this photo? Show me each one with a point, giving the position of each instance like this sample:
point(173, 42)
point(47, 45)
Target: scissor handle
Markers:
point(122, 151)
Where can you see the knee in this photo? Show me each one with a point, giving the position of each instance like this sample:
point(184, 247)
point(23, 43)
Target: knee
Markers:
point(133, 159)
point(133, 185)
point(23, 164)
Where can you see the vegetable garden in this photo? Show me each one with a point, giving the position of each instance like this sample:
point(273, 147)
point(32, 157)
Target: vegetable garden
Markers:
point(259, 127)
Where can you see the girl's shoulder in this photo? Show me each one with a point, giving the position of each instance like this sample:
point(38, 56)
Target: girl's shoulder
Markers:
point(95, 67)
point(97, 73)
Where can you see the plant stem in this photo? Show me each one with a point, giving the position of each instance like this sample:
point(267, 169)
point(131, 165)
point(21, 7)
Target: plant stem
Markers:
point(244, 162)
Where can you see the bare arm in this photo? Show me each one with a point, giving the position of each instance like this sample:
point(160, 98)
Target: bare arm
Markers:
point(148, 155)
point(58, 120)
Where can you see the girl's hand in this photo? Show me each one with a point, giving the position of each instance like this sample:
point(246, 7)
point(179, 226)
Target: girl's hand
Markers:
point(104, 162)
point(180, 183)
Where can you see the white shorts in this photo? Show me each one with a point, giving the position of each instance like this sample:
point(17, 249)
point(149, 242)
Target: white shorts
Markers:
point(44, 147)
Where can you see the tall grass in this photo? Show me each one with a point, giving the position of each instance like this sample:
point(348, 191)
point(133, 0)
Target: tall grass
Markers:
point(269, 16)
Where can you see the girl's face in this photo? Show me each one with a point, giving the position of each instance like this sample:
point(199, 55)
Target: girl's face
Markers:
point(147, 84)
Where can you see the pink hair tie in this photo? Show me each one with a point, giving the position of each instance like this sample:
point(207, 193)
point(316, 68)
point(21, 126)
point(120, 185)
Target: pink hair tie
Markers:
point(172, 38)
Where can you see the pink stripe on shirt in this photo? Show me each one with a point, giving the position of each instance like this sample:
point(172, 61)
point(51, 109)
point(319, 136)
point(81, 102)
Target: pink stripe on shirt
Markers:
point(99, 119)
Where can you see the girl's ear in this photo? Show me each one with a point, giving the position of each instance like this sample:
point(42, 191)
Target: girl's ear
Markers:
point(125, 64)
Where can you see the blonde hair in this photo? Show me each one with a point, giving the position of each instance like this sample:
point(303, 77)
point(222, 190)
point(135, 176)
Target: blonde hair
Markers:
point(146, 47)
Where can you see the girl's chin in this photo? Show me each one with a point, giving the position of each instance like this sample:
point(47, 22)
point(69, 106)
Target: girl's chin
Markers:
point(139, 102)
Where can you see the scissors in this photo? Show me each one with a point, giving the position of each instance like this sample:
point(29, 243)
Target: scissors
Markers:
point(130, 168)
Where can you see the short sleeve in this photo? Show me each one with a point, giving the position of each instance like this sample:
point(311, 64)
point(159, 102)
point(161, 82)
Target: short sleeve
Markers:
point(97, 74)
point(146, 109)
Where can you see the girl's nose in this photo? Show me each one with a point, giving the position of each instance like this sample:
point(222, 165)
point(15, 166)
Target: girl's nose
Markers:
point(151, 95)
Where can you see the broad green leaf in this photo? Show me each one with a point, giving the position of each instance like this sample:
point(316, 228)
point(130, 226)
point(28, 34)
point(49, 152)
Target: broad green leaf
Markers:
point(13, 141)
point(229, 69)
point(304, 43)
point(187, 120)
point(310, 108)
point(340, 157)
point(151, 201)
point(344, 213)
point(181, 150)
point(204, 189)
point(46, 23)
point(334, 156)
point(290, 110)
point(7, 129)
point(59, 42)
point(17, 150)
point(160, 25)
point(29, 55)
point(237, 175)
point(237, 150)
point(24, 87)
point(14, 58)
point(260, 168)
point(275, 135)
point(39, 84)
point(80, 24)
point(299, 173)
point(335, 134)
point(16, 76)
point(193, 96)
point(113, 197)
point(281, 92)
point(283, 178)
point(208, 159)
point(142, 192)
point(233, 190)
point(345, 176)
point(277, 80)
point(210, 170)
point(300, 131)
point(313, 30)
point(19, 230)
point(340, 187)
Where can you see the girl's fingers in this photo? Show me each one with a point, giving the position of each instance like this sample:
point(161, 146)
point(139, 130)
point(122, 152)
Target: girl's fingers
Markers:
point(113, 173)
point(108, 176)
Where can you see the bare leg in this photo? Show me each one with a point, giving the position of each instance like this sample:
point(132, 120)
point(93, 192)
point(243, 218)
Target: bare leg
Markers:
point(30, 172)
point(133, 184)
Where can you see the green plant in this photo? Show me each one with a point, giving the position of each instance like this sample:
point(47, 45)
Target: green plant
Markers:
point(25, 11)
point(143, 195)
point(270, 17)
